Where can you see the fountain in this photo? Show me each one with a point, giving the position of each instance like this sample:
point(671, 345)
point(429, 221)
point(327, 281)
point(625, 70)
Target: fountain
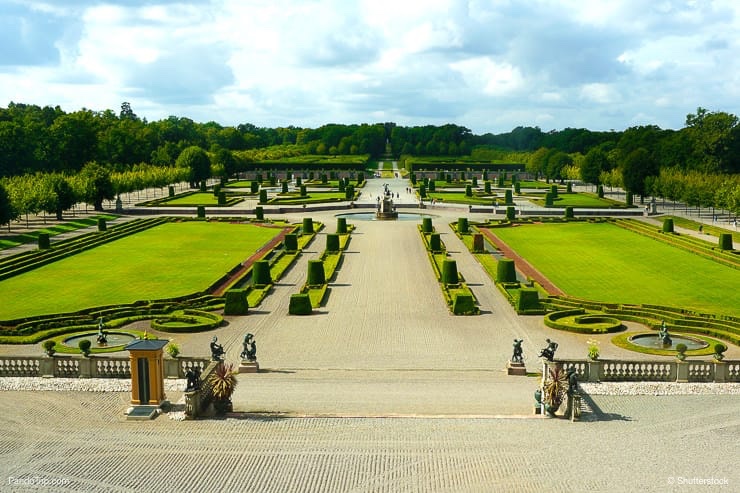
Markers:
point(112, 339)
point(386, 209)
point(650, 341)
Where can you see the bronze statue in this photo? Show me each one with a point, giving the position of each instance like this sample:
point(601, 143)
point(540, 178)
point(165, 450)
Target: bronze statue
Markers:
point(217, 350)
point(572, 380)
point(549, 352)
point(517, 357)
point(249, 348)
point(193, 378)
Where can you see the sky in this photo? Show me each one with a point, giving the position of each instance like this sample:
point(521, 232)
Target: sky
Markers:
point(488, 65)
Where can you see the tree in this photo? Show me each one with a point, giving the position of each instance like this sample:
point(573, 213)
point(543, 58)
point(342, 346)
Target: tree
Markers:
point(196, 160)
point(95, 184)
point(64, 193)
point(594, 163)
point(6, 209)
point(224, 159)
point(637, 166)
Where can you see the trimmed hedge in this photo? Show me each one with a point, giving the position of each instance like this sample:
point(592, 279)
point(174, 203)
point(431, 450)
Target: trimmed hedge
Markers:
point(316, 276)
point(261, 273)
point(102, 226)
point(668, 225)
point(449, 272)
point(200, 211)
point(236, 302)
point(464, 304)
point(290, 242)
point(478, 243)
point(462, 225)
point(259, 213)
point(435, 243)
point(300, 304)
point(341, 225)
point(511, 213)
point(526, 299)
point(509, 198)
point(332, 242)
point(505, 270)
point(725, 241)
point(44, 242)
point(307, 227)
point(426, 225)
point(577, 321)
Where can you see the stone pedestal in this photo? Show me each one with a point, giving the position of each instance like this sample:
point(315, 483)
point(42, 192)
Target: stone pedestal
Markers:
point(516, 368)
point(249, 367)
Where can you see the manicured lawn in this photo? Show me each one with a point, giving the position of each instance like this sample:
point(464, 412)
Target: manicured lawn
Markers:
point(170, 260)
point(460, 198)
point(603, 262)
point(581, 200)
point(311, 198)
point(11, 240)
point(197, 198)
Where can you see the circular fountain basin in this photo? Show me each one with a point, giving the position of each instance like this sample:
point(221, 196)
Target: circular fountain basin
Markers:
point(370, 216)
point(652, 341)
point(114, 339)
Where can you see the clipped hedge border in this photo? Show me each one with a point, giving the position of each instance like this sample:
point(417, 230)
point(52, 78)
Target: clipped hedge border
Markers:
point(192, 321)
point(582, 322)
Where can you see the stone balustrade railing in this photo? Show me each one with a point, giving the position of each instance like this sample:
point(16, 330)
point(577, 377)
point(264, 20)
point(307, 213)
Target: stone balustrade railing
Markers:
point(653, 371)
point(92, 367)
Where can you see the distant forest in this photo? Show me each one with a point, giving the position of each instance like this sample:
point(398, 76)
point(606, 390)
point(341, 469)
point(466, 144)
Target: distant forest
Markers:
point(646, 160)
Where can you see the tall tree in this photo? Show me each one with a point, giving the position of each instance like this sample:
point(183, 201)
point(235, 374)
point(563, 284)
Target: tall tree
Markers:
point(96, 184)
point(6, 209)
point(197, 161)
point(594, 163)
point(637, 166)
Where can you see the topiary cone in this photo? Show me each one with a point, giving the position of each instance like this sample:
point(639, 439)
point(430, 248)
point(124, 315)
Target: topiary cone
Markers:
point(316, 275)
point(449, 272)
point(506, 270)
point(261, 273)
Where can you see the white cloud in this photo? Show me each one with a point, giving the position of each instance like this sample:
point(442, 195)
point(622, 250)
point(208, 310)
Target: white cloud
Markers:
point(490, 66)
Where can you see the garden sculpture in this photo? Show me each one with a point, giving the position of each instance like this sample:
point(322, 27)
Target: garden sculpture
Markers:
point(517, 357)
point(664, 336)
point(549, 352)
point(217, 350)
point(193, 378)
point(102, 339)
point(572, 380)
point(249, 348)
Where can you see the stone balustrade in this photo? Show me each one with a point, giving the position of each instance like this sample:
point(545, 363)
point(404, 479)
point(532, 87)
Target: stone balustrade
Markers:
point(653, 371)
point(93, 367)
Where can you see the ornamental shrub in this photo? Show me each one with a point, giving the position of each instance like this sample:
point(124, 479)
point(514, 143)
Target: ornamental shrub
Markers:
point(102, 226)
point(44, 243)
point(517, 187)
point(303, 190)
point(235, 302)
point(423, 191)
point(514, 178)
point(500, 181)
point(342, 225)
point(259, 213)
point(526, 299)
point(668, 225)
point(171, 191)
point(449, 272)
point(478, 244)
point(548, 199)
point(310, 175)
point(273, 180)
point(629, 199)
point(468, 191)
point(600, 191)
point(221, 198)
point(284, 185)
point(462, 225)
point(448, 178)
point(216, 189)
point(435, 243)
point(298, 181)
point(342, 186)
point(263, 196)
point(569, 188)
point(349, 192)
point(485, 175)
point(506, 270)
point(462, 176)
point(84, 346)
point(316, 275)
point(412, 177)
point(432, 186)
point(725, 241)
point(291, 242)
point(511, 213)
point(487, 187)
point(200, 211)
point(300, 304)
point(360, 178)
point(569, 212)
point(440, 175)
point(509, 197)
point(203, 187)
point(464, 304)
point(261, 273)
point(49, 344)
point(426, 225)
point(554, 191)
point(332, 242)
point(324, 179)
point(307, 227)
point(475, 181)
point(254, 186)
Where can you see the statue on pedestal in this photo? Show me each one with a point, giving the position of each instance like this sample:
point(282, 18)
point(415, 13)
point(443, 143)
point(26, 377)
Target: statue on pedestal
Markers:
point(249, 348)
point(518, 355)
point(217, 350)
point(549, 352)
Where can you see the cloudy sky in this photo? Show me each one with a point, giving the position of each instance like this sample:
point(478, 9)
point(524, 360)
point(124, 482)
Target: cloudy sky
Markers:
point(489, 65)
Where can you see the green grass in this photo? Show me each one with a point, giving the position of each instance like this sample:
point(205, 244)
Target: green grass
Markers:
point(170, 260)
point(312, 198)
point(193, 199)
point(603, 262)
point(707, 229)
point(460, 198)
point(11, 240)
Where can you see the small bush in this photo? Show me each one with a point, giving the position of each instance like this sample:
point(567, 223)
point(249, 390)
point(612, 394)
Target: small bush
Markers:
point(291, 242)
point(629, 198)
point(462, 225)
point(487, 187)
point(316, 275)
point(464, 304)
point(668, 225)
point(300, 304)
point(342, 225)
point(449, 272)
point(263, 196)
point(84, 346)
point(221, 198)
point(569, 212)
point(517, 187)
point(261, 273)
point(554, 191)
point(478, 244)
point(506, 270)
point(172, 349)
point(600, 191)
point(171, 191)
point(432, 186)
point(423, 191)
point(426, 225)
point(332, 243)
point(307, 228)
point(548, 199)
point(468, 191)
point(526, 299)
point(236, 302)
point(48, 346)
point(509, 198)
point(44, 243)
point(201, 212)
point(725, 241)
point(102, 226)
point(284, 186)
point(303, 190)
point(259, 213)
point(569, 188)
point(254, 186)
point(435, 243)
